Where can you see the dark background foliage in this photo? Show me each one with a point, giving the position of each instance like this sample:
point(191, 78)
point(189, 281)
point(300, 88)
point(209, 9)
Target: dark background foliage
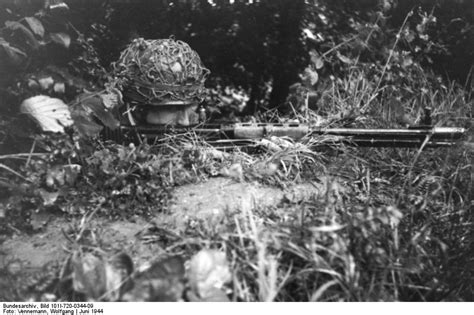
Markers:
point(253, 44)
point(258, 48)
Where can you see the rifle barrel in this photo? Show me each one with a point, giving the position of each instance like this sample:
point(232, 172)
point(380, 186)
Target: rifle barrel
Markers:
point(442, 131)
point(245, 132)
point(434, 133)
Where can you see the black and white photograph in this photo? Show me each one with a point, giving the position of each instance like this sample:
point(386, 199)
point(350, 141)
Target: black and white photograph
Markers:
point(235, 151)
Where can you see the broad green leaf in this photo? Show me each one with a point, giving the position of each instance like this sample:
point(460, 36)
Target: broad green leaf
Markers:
point(93, 104)
point(308, 33)
point(89, 275)
point(208, 272)
point(84, 125)
point(62, 39)
point(49, 198)
point(50, 113)
point(343, 58)
point(319, 63)
point(60, 175)
point(35, 25)
point(57, 6)
point(15, 55)
point(30, 37)
point(407, 61)
point(310, 77)
point(46, 82)
point(118, 270)
point(316, 59)
point(59, 88)
point(410, 36)
point(163, 281)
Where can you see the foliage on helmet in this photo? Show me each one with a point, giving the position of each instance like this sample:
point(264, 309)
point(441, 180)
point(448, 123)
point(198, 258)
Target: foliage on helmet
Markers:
point(160, 71)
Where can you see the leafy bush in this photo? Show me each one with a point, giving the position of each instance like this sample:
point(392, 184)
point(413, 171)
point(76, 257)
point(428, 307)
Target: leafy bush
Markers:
point(42, 53)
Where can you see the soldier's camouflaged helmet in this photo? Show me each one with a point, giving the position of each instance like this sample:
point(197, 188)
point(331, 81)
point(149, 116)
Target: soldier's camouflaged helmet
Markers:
point(162, 71)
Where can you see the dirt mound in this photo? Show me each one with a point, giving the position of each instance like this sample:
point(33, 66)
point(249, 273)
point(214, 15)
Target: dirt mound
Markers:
point(204, 201)
point(211, 200)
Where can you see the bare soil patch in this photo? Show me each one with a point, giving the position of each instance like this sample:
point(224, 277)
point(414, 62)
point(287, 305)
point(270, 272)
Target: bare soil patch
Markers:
point(208, 200)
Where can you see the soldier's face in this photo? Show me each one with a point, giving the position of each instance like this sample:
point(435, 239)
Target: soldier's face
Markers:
point(181, 115)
